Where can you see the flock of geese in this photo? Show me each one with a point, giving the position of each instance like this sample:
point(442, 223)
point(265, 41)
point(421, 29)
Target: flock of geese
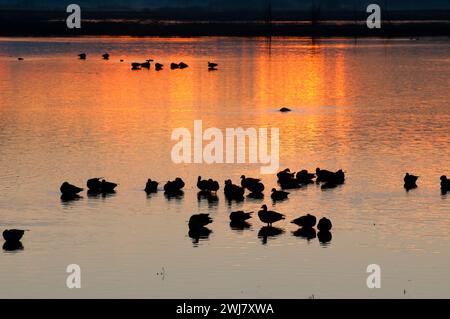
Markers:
point(208, 189)
point(136, 66)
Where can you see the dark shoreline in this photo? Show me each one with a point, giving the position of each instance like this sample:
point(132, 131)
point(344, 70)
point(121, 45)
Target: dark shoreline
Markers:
point(52, 23)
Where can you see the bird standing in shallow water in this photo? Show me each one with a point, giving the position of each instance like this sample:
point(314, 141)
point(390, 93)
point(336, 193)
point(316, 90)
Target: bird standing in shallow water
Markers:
point(269, 217)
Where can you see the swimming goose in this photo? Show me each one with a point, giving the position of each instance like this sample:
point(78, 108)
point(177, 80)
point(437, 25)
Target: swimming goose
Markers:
point(285, 110)
point(69, 190)
point(240, 216)
point(285, 175)
point(212, 65)
point(233, 191)
point(158, 66)
point(174, 66)
point(105, 56)
point(151, 187)
point(249, 182)
point(202, 184)
point(213, 186)
point(199, 220)
point(174, 186)
point(183, 65)
point(108, 187)
point(324, 175)
point(410, 181)
point(82, 56)
point(95, 185)
point(304, 177)
point(146, 64)
point(308, 221)
point(269, 217)
point(324, 225)
point(445, 183)
point(278, 195)
point(13, 235)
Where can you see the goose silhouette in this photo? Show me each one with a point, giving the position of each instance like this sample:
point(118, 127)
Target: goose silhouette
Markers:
point(240, 216)
point(105, 56)
point(285, 110)
point(278, 195)
point(98, 185)
point(13, 235)
point(158, 66)
point(307, 221)
point(445, 184)
point(174, 187)
point(151, 187)
point(285, 175)
point(135, 66)
point(213, 186)
point(183, 65)
point(233, 191)
point(69, 189)
point(202, 184)
point(410, 181)
point(146, 64)
point(269, 217)
point(174, 66)
point(212, 65)
point(247, 182)
point(304, 177)
point(324, 225)
point(199, 220)
point(323, 175)
point(82, 56)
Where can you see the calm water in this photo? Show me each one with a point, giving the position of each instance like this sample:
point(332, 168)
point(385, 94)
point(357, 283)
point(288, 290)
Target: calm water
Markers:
point(376, 108)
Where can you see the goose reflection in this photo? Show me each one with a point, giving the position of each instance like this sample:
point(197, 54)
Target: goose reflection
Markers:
point(205, 195)
point(198, 234)
point(239, 225)
point(325, 237)
point(12, 246)
point(306, 233)
point(267, 232)
point(66, 199)
point(94, 194)
point(177, 195)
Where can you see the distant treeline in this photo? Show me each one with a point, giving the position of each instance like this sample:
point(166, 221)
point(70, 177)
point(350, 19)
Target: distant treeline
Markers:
point(163, 22)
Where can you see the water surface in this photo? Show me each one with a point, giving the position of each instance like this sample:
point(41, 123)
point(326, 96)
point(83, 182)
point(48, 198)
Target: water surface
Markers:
point(376, 108)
